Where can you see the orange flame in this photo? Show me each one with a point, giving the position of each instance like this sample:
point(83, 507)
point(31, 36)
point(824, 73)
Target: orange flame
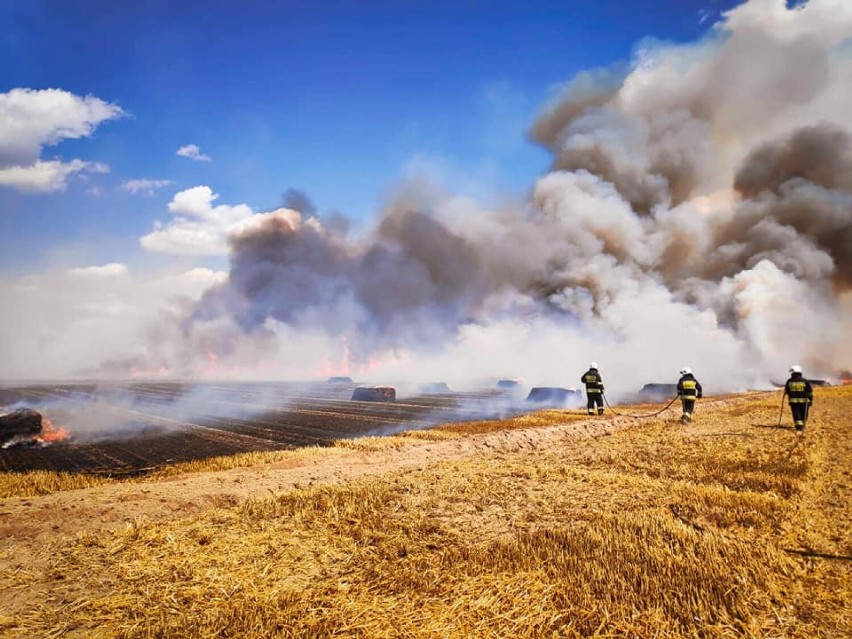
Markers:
point(328, 368)
point(51, 433)
point(163, 371)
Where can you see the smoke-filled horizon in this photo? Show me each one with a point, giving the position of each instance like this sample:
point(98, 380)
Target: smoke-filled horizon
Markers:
point(697, 212)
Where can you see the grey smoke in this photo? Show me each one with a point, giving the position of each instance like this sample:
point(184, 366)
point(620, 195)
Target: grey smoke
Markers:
point(414, 279)
point(697, 211)
point(298, 200)
point(804, 185)
point(115, 411)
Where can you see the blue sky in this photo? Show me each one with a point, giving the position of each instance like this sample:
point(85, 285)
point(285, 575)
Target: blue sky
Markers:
point(338, 99)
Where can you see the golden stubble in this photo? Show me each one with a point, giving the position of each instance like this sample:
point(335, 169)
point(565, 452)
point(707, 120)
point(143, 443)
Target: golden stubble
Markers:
point(653, 530)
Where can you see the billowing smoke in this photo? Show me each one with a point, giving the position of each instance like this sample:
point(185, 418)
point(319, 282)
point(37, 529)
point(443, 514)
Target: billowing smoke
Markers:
point(121, 411)
point(804, 184)
point(697, 211)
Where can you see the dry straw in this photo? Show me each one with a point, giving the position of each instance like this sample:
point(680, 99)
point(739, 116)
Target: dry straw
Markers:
point(655, 530)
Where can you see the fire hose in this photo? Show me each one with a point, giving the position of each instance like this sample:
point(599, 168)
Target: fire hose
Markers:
point(639, 416)
point(781, 414)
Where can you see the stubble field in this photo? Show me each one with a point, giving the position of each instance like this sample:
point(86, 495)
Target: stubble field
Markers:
point(543, 525)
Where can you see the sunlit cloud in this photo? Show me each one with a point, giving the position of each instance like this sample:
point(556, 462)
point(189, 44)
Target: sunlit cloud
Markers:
point(32, 119)
point(193, 152)
point(199, 227)
point(46, 177)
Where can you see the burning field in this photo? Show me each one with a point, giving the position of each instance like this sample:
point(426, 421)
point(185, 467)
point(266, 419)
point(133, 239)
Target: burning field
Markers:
point(696, 210)
point(119, 429)
point(545, 524)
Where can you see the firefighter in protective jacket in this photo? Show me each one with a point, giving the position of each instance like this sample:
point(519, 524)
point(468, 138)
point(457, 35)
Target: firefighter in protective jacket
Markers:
point(594, 389)
point(689, 390)
point(800, 394)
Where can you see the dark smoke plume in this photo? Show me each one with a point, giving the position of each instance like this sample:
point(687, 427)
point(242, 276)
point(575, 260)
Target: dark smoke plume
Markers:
point(298, 200)
point(699, 206)
point(804, 184)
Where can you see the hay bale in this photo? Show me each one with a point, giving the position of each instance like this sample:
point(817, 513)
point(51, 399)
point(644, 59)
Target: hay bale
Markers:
point(435, 388)
point(20, 422)
point(656, 392)
point(508, 384)
point(374, 394)
point(552, 396)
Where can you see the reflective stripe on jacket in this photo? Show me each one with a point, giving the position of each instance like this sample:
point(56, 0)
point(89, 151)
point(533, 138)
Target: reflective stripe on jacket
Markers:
point(799, 390)
point(688, 387)
point(592, 380)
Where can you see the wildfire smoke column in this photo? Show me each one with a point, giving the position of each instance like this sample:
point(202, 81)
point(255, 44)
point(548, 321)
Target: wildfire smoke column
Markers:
point(699, 203)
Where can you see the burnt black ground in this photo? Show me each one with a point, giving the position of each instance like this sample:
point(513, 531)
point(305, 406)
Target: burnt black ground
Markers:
point(143, 425)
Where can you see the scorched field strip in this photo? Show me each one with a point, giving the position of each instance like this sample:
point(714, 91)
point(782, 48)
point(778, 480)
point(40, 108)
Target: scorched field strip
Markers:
point(126, 428)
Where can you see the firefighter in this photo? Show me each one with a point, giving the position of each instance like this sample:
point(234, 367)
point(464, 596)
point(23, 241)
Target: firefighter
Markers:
point(689, 390)
point(800, 394)
point(594, 389)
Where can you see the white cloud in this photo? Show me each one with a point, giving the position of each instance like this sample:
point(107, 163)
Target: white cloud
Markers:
point(46, 176)
point(113, 269)
point(199, 227)
point(144, 186)
point(193, 152)
point(32, 119)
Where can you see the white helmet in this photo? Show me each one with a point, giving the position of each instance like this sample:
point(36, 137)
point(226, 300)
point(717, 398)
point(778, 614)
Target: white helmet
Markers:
point(795, 368)
point(686, 371)
point(593, 365)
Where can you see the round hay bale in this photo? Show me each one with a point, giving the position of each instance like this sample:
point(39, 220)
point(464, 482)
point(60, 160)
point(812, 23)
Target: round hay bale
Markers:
point(20, 422)
point(374, 394)
point(508, 384)
point(656, 392)
point(551, 395)
point(819, 382)
point(435, 388)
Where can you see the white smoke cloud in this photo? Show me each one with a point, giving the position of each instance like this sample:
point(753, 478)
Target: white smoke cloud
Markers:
point(781, 317)
point(83, 321)
point(32, 119)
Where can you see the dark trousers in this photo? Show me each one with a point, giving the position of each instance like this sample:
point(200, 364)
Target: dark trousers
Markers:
point(688, 406)
point(800, 413)
point(594, 399)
